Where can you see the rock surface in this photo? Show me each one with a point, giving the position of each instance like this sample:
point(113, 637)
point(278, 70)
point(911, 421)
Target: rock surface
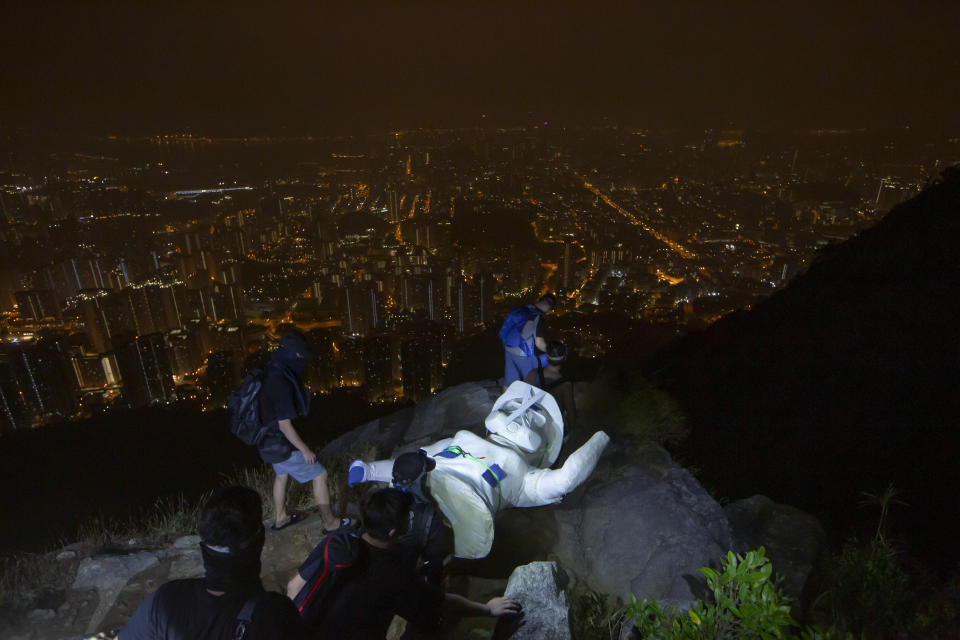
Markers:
point(646, 530)
point(545, 609)
point(462, 407)
point(794, 539)
point(108, 575)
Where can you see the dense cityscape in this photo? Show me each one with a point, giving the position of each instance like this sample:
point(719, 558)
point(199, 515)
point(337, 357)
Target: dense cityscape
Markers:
point(139, 271)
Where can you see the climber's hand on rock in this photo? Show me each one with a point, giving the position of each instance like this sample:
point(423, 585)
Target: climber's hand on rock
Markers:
point(501, 606)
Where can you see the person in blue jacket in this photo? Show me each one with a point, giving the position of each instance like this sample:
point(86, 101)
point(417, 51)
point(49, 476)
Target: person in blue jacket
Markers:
point(523, 339)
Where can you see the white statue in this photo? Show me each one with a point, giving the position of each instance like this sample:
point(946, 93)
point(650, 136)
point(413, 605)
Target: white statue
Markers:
point(475, 478)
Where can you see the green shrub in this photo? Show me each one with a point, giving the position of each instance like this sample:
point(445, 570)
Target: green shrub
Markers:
point(870, 593)
point(747, 604)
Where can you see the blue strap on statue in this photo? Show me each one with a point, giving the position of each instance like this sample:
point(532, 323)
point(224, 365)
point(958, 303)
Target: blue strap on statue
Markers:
point(493, 474)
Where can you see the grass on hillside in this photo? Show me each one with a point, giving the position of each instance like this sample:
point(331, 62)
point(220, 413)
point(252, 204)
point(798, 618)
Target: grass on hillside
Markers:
point(341, 496)
point(650, 415)
point(25, 576)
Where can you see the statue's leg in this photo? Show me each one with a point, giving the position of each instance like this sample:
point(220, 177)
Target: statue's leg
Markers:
point(382, 470)
point(377, 471)
point(546, 486)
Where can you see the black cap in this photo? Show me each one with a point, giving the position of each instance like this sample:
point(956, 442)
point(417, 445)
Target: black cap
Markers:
point(410, 466)
point(296, 343)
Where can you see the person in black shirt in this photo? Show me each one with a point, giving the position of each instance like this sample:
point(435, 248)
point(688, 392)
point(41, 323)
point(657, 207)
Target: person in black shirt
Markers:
point(209, 608)
point(382, 583)
point(283, 398)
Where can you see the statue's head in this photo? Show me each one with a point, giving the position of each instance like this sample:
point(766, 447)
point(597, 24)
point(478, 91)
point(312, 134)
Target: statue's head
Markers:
point(528, 420)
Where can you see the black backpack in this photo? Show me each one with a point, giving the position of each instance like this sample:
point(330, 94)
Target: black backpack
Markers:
point(335, 558)
point(243, 408)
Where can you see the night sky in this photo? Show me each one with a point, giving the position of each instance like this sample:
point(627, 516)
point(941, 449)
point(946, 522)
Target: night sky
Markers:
point(147, 68)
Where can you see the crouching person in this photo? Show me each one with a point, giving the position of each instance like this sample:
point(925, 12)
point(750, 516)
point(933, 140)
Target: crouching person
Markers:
point(354, 582)
point(229, 602)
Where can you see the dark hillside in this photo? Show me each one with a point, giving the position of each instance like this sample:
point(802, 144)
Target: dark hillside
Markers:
point(59, 477)
point(842, 383)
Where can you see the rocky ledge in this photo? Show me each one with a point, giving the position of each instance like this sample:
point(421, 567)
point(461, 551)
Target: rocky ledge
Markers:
point(641, 524)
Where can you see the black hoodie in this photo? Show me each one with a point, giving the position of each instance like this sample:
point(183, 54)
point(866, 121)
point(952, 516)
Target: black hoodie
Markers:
point(283, 396)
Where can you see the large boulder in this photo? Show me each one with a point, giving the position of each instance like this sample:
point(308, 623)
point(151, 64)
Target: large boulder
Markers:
point(794, 539)
point(644, 528)
point(108, 575)
point(464, 406)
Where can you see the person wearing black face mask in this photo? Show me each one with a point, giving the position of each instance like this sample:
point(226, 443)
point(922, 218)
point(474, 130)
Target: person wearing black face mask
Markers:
point(229, 602)
point(428, 541)
point(283, 398)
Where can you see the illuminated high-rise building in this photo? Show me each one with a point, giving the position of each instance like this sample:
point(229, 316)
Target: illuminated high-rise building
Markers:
point(185, 351)
point(69, 277)
point(39, 306)
point(223, 375)
point(419, 293)
point(227, 337)
point(92, 371)
point(323, 374)
point(360, 310)
point(38, 388)
point(566, 266)
point(8, 279)
point(144, 305)
point(180, 305)
point(95, 321)
point(350, 369)
point(421, 361)
point(378, 365)
point(145, 370)
point(13, 409)
point(223, 302)
point(393, 204)
point(474, 302)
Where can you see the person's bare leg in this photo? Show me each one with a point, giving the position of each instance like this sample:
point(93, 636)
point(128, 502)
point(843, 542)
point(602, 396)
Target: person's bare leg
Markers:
point(322, 497)
point(280, 499)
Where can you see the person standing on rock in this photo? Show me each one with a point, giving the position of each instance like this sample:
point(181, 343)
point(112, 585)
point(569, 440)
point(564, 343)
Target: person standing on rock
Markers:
point(383, 582)
point(522, 337)
point(283, 398)
point(229, 602)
